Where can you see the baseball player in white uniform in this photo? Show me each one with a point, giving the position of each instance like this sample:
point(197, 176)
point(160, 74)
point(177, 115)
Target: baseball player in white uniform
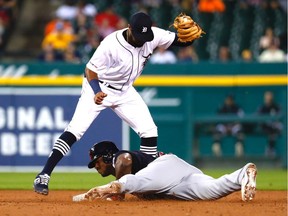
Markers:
point(108, 82)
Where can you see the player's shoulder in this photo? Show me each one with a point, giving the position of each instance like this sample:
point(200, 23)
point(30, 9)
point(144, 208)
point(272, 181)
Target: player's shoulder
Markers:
point(112, 36)
point(120, 156)
point(122, 153)
point(133, 154)
point(157, 30)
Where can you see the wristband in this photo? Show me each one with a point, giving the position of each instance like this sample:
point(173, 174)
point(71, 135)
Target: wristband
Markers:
point(94, 83)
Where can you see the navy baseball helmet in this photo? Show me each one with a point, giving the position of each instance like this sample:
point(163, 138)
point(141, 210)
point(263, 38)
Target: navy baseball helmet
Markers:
point(105, 149)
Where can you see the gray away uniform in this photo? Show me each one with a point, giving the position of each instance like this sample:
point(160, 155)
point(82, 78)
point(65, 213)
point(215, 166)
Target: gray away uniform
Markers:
point(172, 176)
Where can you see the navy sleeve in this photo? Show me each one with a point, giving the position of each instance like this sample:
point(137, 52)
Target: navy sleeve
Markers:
point(180, 44)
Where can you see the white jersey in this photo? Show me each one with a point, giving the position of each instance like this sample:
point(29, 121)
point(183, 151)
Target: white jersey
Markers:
point(119, 64)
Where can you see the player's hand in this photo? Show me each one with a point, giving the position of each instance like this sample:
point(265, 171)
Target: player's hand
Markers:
point(99, 97)
point(113, 197)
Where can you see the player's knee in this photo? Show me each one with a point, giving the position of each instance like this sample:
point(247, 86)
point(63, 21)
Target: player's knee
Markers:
point(76, 134)
point(151, 132)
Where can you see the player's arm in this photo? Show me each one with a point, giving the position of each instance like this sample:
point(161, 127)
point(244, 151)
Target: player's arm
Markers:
point(123, 165)
point(90, 74)
point(178, 43)
point(93, 80)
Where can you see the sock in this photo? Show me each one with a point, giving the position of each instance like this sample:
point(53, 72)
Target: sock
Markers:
point(149, 146)
point(60, 149)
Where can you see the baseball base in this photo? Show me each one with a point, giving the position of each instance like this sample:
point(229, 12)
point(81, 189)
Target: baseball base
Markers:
point(79, 198)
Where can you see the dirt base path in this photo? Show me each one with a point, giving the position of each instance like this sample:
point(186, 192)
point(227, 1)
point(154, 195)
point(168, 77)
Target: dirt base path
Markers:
point(13, 202)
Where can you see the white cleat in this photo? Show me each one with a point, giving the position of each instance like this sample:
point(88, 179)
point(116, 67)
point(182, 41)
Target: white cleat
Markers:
point(248, 185)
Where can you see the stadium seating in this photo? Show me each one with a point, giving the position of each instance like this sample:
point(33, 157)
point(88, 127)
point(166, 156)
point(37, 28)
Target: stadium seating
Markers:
point(239, 27)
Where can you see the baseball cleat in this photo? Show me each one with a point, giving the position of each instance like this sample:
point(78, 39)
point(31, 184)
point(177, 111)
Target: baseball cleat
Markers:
point(248, 186)
point(41, 184)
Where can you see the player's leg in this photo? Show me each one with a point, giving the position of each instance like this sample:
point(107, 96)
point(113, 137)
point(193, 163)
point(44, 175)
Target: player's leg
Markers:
point(205, 187)
point(135, 112)
point(86, 111)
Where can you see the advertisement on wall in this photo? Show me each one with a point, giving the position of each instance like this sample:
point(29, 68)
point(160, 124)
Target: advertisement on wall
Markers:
point(31, 119)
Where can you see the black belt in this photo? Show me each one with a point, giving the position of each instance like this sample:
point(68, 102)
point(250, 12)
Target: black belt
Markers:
point(108, 85)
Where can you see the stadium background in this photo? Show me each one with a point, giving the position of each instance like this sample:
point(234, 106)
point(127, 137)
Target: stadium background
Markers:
point(184, 97)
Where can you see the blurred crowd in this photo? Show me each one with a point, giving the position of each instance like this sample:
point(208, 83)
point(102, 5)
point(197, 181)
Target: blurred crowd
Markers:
point(72, 34)
point(270, 48)
point(7, 14)
point(272, 129)
point(78, 26)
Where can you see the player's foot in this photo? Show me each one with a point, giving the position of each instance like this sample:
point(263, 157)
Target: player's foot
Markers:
point(248, 186)
point(41, 184)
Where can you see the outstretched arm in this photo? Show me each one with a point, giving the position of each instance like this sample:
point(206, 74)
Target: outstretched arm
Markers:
point(123, 166)
point(110, 192)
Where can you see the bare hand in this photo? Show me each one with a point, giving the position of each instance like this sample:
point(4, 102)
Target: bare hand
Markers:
point(113, 197)
point(99, 97)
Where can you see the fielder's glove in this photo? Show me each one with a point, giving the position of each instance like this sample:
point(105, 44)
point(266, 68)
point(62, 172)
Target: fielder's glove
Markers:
point(187, 29)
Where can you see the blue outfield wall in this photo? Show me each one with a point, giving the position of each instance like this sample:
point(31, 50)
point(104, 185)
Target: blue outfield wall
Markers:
point(31, 119)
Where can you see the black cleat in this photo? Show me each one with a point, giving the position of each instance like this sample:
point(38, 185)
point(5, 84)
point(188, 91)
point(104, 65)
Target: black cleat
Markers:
point(41, 184)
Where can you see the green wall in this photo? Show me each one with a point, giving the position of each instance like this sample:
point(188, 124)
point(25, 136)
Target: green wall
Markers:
point(201, 68)
point(176, 122)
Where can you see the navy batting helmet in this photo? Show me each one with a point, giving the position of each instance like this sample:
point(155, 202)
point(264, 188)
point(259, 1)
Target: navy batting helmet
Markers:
point(104, 149)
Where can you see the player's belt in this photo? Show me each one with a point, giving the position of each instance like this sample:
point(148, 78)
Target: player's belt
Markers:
point(108, 85)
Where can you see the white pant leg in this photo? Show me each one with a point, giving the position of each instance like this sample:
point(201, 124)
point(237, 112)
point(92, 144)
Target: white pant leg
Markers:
point(159, 176)
point(133, 110)
point(86, 111)
point(204, 187)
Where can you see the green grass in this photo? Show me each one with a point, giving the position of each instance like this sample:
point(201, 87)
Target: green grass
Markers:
point(64, 181)
point(266, 180)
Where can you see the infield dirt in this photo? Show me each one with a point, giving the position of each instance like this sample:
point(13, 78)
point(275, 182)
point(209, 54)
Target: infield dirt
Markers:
point(15, 202)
